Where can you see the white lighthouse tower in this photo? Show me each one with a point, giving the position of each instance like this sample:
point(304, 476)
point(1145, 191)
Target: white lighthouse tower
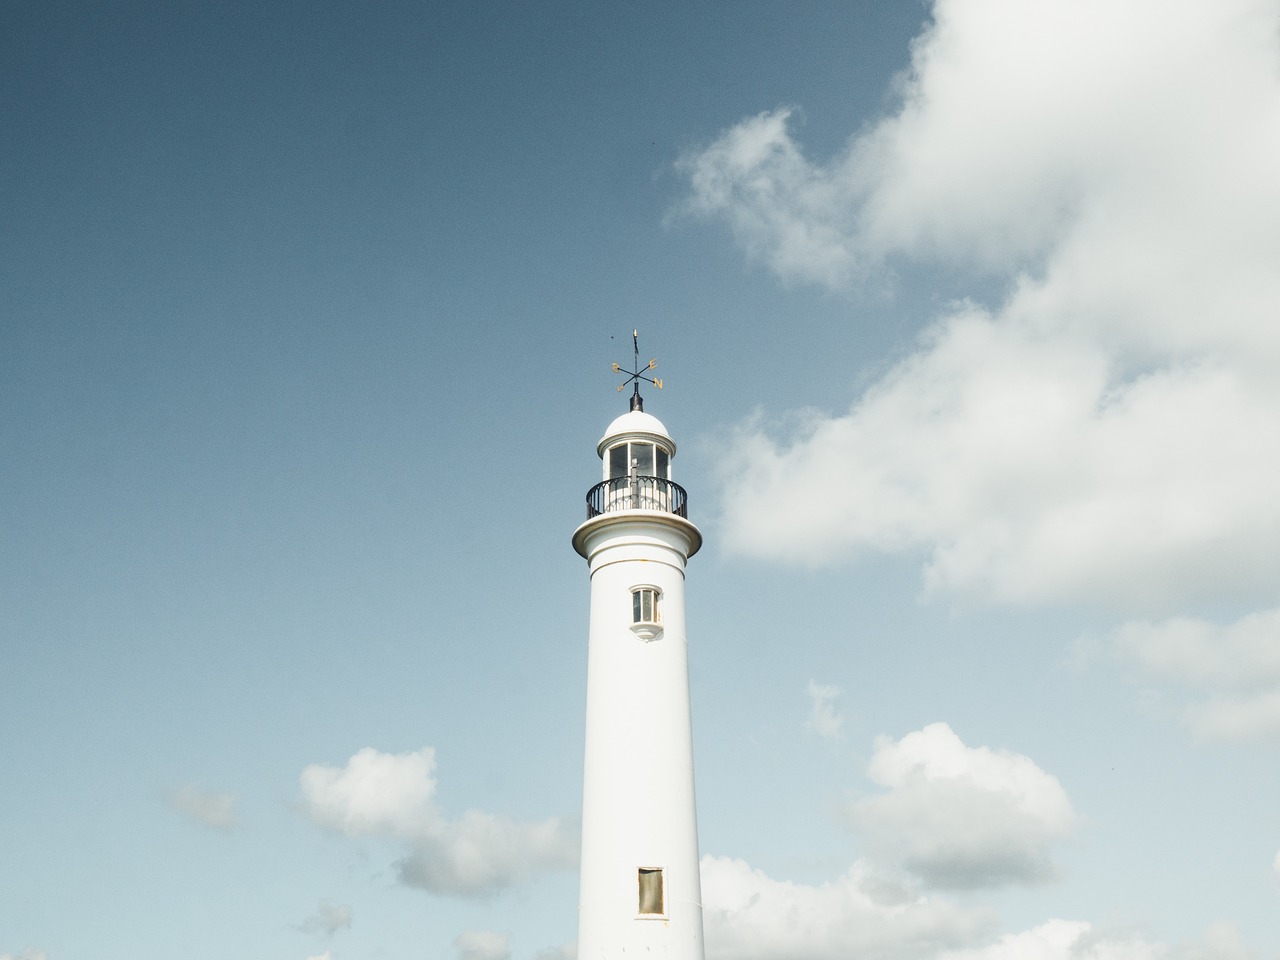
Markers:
point(640, 893)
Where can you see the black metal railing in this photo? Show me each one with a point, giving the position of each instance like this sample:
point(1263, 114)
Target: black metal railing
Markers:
point(637, 493)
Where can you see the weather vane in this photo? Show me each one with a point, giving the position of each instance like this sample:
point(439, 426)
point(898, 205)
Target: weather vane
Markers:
point(636, 375)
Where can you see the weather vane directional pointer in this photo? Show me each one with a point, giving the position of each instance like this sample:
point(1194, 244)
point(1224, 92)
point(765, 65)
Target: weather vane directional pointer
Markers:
point(637, 374)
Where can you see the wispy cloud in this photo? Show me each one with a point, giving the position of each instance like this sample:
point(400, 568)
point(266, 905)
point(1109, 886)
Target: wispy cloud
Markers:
point(1230, 673)
point(328, 919)
point(782, 209)
point(393, 795)
point(1068, 940)
point(825, 718)
point(210, 807)
point(481, 945)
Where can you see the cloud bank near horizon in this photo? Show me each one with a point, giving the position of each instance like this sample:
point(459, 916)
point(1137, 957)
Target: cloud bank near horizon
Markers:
point(952, 818)
point(867, 914)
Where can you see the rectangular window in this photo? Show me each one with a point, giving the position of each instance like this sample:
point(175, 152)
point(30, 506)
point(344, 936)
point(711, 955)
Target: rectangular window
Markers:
point(618, 465)
point(664, 469)
point(642, 454)
point(651, 893)
point(644, 605)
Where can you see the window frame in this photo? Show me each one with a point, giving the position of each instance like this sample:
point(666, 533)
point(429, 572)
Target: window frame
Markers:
point(646, 629)
point(650, 871)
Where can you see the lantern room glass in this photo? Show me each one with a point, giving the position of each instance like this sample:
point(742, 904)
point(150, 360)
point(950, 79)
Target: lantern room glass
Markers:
point(647, 459)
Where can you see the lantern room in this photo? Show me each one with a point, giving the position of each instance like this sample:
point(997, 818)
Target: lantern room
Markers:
point(636, 443)
point(636, 453)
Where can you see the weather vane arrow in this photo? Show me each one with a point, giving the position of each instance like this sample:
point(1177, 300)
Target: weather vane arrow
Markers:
point(637, 374)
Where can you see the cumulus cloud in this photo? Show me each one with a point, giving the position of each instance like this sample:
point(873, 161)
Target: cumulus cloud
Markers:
point(1109, 429)
point(328, 919)
point(209, 807)
point(962, 817)
point(871, 915)
point(1062, 940)
point(865, 913)
point(1028, 475)
point(1230, 672)
point(1019, 122)
point(393, 795)
point(825, 718)
point(480, 945)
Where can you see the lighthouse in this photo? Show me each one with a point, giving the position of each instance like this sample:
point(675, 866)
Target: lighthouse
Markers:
point(640, 893)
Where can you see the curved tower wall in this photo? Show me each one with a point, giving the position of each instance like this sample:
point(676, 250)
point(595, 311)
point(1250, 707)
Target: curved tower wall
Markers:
point(638, 812)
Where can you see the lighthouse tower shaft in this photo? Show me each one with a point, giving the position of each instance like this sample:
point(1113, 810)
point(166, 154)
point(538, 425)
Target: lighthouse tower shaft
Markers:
point(640, 887)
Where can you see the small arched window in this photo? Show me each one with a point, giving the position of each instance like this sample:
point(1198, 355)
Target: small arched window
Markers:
point(646, 611)
point(644, 605)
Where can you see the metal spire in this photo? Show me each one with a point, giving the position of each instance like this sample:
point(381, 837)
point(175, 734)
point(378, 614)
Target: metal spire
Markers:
point(637, 374)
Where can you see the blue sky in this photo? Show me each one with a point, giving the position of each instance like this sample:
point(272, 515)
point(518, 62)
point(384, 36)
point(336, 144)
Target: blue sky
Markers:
point(966, 317)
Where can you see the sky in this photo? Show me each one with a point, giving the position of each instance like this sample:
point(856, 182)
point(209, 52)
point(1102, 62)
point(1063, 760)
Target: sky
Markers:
point(966, 313)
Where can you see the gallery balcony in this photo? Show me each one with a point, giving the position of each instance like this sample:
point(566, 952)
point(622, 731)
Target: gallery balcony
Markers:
point(637, 493)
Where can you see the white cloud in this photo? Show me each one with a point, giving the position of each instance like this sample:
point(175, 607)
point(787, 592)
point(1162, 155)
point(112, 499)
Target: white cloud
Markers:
point(1062, 940)
point(1028, 475)
point(782, 209)
point(568, 951)
point(869, 915)
point(1110, 430)
point(1232, 670)
point(29, 953)
point(824, 716)
point(1220, 942)
point(322, 956)
point(1020, 121)
point(375, 792)
point(393, 795)
point(865, 913)
point(962, 817)
point(209, 807)
point(1049, 941)
point(479, 945)
point(328, 919)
